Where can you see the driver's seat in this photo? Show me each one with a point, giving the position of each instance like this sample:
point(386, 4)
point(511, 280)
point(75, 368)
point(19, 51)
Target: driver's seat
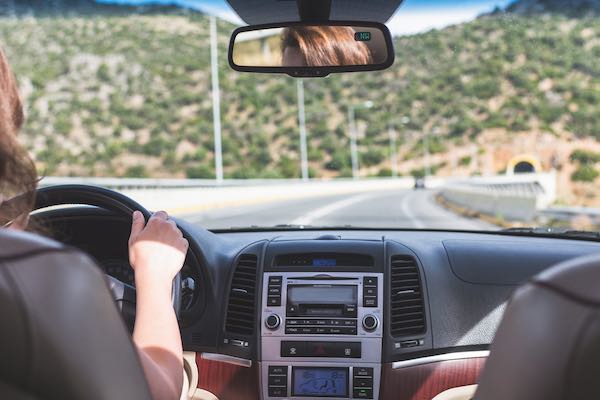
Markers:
point(61, 336)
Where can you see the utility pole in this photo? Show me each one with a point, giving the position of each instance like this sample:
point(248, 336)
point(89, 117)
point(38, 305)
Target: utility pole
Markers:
point(393, 151)
point(302, 124)
point(216, 98)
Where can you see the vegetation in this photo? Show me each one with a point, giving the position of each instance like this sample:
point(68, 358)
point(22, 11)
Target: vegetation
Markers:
point(127, 93)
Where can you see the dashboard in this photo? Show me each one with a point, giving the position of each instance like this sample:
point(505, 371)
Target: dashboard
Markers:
point(349, 314)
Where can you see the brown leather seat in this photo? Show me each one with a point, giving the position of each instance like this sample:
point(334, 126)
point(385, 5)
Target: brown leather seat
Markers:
point(548, 344)
point(61, 336)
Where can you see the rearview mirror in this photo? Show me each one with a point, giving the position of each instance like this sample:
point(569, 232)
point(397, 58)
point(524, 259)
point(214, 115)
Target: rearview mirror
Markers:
point(310, 50)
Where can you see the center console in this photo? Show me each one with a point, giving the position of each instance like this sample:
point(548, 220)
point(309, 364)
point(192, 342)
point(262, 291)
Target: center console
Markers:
point(321, 327)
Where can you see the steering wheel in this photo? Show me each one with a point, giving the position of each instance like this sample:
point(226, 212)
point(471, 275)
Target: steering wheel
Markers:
point(120, 204)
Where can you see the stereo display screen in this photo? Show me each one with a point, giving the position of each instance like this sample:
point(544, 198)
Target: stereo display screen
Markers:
point(322, 294)
point(320, 382)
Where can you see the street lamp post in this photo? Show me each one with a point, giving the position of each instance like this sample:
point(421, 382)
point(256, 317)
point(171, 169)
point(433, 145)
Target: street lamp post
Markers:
point(353, 133)
point(426, 169)
point(393, 154)
point(302, 124)
point(216, 99)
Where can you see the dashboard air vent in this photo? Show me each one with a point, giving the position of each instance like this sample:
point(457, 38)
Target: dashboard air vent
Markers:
point(242, 297)
point(407, 306)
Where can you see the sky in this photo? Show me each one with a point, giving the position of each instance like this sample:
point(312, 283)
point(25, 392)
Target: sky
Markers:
point(414, 16)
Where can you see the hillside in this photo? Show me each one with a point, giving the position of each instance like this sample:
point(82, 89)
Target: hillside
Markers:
point(127, 93)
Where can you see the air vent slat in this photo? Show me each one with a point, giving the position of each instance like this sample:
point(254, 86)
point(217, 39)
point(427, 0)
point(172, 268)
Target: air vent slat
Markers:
point(241, 305)
point(407, 305)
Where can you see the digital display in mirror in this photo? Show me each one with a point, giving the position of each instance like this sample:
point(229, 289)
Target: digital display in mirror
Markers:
point(321, 48)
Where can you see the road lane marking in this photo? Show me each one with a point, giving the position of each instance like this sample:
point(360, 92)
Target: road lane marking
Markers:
point(321, 212)
point(406, 210)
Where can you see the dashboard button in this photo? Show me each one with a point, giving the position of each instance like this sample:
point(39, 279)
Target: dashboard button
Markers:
point(307, 330)
point(367, 291)
point(370, 301)
point(275, 280)
point(363, 393)
point(370, 322)
point(274, 300)
point(273, 321)
point(293, 349)
point(280, 380)
point(362, 371)
point(274, 290)
point(281, 392)
point(291, 330)
point(321, 331)
point(290, 321)
point(359, 382)
point(370, 280)
point(348, 350)
point(349, 322)
point(278, 370)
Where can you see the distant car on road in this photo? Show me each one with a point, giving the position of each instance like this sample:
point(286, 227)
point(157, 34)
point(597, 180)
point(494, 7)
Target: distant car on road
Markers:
point(419, 183)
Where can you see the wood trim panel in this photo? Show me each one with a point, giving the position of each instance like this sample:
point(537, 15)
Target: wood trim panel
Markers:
point(423, 382)
point(228, 381)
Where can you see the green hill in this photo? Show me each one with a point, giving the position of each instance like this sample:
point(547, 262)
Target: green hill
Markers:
point(128, 94)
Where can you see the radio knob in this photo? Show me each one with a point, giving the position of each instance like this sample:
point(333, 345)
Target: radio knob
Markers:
point(370, 322)
point(272, 322)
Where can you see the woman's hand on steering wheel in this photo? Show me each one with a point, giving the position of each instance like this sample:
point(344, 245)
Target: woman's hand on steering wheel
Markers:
point(157, 250)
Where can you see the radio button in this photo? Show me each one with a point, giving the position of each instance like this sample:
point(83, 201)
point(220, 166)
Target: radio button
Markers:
point(275, 280)
point(349, 322)
point(367, 291)
point(307, 331)
point(370, 280)
point(274, 290)
point(273, 321)
point(293, 322)
point(320, 322)
point(274, 300)
point(321, 331)
point(350, 310)
point(370, 322)
point(291, 330)
point(370, 301)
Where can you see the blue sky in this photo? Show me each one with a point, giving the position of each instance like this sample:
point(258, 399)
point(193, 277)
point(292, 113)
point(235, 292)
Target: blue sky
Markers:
point(412, 17)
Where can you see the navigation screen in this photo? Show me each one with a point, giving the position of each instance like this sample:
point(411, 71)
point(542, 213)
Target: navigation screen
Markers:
point(320, 382)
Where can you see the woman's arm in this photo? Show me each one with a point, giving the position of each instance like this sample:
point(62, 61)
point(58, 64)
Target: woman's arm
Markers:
point(157, 252)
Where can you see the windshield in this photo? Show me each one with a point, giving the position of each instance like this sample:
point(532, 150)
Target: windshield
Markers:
point(488, 119)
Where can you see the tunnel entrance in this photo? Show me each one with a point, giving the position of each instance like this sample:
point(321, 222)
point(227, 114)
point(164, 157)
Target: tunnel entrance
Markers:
point(524, 167)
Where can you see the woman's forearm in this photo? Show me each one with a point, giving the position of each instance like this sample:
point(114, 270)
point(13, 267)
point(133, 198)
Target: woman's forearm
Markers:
point(156, 334)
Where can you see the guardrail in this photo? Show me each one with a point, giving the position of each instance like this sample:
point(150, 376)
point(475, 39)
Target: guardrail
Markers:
point(517, 197)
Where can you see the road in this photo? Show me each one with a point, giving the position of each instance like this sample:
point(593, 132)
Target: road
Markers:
point(400, 208)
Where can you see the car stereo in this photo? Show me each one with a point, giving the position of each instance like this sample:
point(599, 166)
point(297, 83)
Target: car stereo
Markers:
point(321, 335)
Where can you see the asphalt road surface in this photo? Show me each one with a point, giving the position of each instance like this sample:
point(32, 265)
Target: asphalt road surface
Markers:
point(380, 209)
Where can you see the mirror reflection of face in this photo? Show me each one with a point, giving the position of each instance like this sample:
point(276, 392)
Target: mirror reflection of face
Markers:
point(292, 57)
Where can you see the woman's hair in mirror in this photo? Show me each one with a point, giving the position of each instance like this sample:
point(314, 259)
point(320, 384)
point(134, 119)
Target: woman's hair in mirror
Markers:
point(322, 46)
point(18, 176)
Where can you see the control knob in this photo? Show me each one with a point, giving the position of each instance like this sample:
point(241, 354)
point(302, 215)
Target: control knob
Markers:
point(370, 322)
point(272, 322)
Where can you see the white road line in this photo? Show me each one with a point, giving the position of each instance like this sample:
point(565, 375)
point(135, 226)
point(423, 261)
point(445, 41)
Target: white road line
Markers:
point(321, 212)
point(406, 210)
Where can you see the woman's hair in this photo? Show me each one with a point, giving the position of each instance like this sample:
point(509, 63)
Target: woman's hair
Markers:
point(18, 176)
point(326, 45)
